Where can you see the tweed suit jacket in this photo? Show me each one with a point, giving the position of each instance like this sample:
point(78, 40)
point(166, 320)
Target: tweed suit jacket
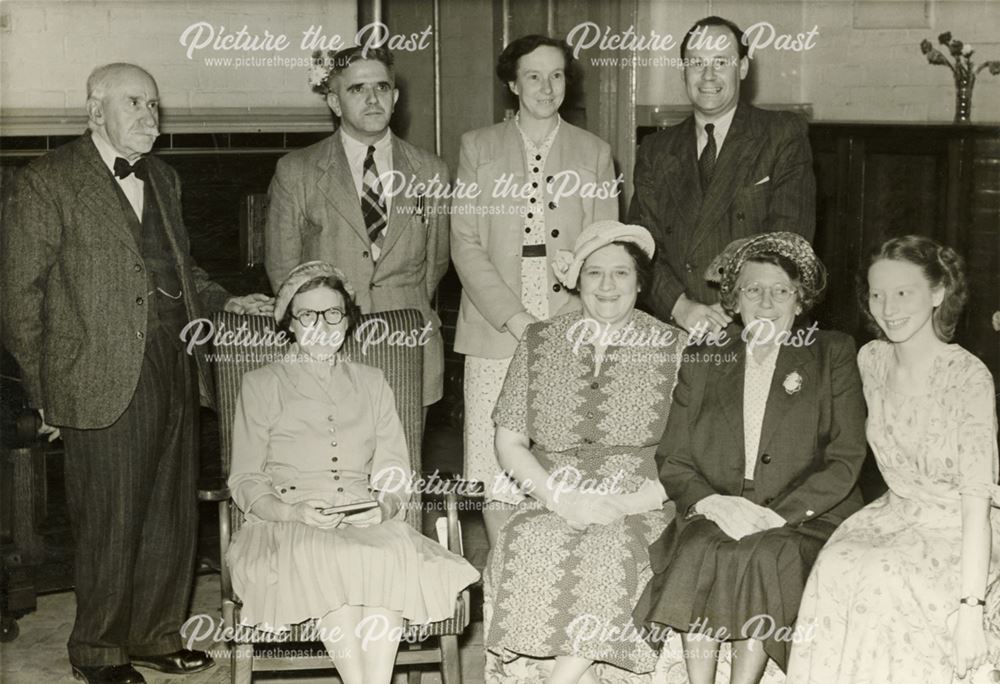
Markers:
point(74, 284)
point(812, 440)
point(315, 213)
point(487, 231)
point(763, 183)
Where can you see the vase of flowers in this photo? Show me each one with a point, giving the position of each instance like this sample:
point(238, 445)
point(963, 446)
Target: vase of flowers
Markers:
point(963, 69)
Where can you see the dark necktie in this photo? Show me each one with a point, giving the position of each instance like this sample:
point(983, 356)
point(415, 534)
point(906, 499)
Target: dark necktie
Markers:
point(372, 201)
point(706, 162)
point(123, 169)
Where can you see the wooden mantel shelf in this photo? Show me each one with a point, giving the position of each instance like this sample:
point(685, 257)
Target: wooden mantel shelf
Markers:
point(37, 122)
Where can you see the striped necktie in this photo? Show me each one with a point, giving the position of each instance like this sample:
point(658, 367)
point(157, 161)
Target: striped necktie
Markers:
point(372, 201)
point(706, 162)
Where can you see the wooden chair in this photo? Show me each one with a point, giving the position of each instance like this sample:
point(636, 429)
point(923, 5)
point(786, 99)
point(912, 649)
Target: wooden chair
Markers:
point(403, 368)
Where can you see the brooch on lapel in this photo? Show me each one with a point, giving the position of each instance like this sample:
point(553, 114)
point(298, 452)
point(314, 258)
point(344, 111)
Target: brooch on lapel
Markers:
point(792, 383)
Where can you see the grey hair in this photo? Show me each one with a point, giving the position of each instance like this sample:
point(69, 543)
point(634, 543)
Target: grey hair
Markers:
point(104, 76)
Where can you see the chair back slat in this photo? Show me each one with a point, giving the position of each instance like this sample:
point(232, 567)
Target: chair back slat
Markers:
point(245, 343)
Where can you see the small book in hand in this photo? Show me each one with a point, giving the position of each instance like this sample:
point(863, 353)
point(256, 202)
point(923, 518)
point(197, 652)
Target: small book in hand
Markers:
point(347, 509)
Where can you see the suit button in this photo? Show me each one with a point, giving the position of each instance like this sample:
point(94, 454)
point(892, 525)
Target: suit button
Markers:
point(330, 418)
point(138, 300)
point(371, 286)
point(555, 233)
point(588, 440)
point(594, 385)
point(556, 287)
point(533, 200)
point(668, 229)
point(740, 216)
point(590, 415)
point(283, 490)
point(340, 489)
point(689, 267)
point(530, 215)
point(137, 268)
point(139, 335)
point(768, 500)
point(292, 487)
point(552, 205)
point(333, 444)
point(810, 512)
point(364, 254)
point(549, 179)
point(336, 477)
point(335, 459)
point(766, 458)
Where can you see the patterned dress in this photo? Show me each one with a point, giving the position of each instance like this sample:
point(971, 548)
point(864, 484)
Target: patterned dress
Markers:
point(880, 603)
point(484, 377)
point(551, 590)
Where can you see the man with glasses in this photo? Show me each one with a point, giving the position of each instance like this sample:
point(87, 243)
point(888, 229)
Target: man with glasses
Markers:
point(728, 171)
point(366, 201)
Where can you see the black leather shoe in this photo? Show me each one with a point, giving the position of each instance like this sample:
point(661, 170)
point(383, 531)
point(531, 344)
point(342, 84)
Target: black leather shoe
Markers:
point(108, 674)
point(184, 661)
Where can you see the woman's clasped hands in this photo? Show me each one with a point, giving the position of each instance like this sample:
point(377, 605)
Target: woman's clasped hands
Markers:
point(736, 516)
point(583, 509)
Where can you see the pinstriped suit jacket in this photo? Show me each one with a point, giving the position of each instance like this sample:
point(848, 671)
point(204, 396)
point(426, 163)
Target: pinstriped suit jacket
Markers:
point(74, 283)
point(763, 183)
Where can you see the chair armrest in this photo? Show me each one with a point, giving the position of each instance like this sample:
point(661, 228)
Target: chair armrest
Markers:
point(213, 489)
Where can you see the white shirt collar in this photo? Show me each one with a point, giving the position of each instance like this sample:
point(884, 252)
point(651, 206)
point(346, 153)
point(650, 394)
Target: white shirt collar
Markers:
point(106, 150)
point(354, 147)
point(722, 125)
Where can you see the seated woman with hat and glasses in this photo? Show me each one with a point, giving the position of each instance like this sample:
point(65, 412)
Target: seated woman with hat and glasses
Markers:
point(761, 455)
point(316, 433)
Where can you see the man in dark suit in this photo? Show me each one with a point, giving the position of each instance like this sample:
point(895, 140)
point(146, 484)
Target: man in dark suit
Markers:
point(366, 201)
point(728, 171)
point(98, 285)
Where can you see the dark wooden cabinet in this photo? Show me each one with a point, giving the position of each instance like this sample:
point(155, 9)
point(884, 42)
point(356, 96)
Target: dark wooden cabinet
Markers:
point(877, 181)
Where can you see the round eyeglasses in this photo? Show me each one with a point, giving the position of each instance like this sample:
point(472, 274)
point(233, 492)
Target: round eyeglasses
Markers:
point(779, 293)
point(309, 317)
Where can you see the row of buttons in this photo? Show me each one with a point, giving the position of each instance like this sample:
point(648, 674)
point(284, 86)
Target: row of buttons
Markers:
point(555, 231)
point(333, 443)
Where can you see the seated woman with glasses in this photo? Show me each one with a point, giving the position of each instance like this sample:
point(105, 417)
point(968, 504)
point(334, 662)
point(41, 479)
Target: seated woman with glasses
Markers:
point(315, 432)
point(761, 455)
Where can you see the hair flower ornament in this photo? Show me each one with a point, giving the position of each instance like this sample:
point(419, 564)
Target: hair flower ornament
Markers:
point(561, 264)
point(792, 383)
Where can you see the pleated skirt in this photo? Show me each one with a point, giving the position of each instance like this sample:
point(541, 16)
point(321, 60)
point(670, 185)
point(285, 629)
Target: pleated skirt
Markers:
point(286, 573)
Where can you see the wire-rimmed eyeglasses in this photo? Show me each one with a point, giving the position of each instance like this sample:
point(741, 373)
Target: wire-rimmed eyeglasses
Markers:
point(779, 293)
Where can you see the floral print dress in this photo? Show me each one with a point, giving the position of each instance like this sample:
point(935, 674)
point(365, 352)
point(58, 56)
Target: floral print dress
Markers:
point(881, 602)
point(551, 590)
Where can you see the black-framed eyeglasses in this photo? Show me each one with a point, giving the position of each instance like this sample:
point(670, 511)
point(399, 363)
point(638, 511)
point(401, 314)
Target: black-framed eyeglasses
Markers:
point(310, 317)
point(779, 293)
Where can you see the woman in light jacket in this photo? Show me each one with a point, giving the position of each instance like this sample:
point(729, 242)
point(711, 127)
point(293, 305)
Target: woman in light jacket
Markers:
point(538, 182)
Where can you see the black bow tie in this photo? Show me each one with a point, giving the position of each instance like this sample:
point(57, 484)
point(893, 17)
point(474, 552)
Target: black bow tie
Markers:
point(123, 169)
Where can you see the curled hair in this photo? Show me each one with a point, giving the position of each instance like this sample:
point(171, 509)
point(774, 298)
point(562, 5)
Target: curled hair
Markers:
point(643, 265)
point(809, 295)
point(942, 267)
point(351, 310)
point(741, 46)
point(506, 68)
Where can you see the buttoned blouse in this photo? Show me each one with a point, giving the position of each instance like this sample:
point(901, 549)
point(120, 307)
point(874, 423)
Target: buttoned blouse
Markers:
point(756, 386)
point(535, 157)
point(309, 430)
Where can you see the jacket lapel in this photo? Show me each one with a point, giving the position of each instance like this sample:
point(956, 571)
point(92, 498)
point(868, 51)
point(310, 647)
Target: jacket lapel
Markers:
point(728, 384)
point(780, 402)
point(740, 146)
point(98, 194)
point(682, 176)
point(337, 184)
point(406, 168)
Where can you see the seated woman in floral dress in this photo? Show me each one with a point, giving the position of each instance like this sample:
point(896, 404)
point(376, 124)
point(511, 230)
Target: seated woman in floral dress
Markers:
point(581, 411)
point(907, 589)
point(313, 431)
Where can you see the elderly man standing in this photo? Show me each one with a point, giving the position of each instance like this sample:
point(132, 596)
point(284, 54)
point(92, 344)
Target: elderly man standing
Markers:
point(728, 171)
point(366, 201)
point(98, 285)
